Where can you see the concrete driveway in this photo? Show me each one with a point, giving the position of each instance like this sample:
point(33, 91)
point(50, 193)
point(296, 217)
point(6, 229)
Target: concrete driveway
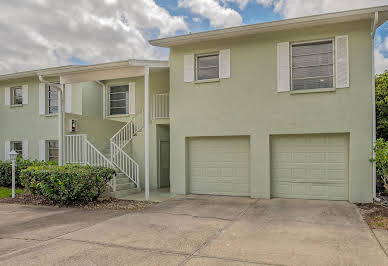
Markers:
point(192, 230)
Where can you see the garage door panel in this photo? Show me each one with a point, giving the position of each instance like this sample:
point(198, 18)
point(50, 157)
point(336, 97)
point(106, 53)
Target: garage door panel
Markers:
point(219, 165)
point(309, 166)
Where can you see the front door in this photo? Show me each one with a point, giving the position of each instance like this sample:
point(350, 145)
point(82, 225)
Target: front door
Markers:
point(164, 163)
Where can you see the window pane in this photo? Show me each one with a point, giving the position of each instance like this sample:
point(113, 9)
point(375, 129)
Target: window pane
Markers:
point(118, 96)
point(118, 111)
point(308, 60)
point(52, 150)
point(312, 48)
point(207, 73)
point(312, 65)
point(207, 67)
point(122, 88)
point(314, 83)
point(119, 103)
point(314, 71)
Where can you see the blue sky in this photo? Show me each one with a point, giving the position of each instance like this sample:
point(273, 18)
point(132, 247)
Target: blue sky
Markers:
point(46, 33)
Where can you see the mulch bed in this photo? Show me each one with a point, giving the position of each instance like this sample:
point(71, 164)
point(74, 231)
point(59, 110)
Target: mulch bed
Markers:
point(375, 214)
point(102, 203)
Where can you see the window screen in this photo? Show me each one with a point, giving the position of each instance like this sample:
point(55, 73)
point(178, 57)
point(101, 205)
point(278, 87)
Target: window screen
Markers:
point(52, 148)
point(118, 100)
point(312, 65)
point(17, 95)
point(207, 67)
point(52, 100)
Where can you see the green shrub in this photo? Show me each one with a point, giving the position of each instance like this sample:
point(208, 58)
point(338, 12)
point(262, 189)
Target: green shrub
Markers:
point(67, 184)
point(381, 150)
point(6, 170)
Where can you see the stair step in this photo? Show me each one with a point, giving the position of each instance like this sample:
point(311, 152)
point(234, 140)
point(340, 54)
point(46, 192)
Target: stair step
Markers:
point(125, 186)
point(124, 193)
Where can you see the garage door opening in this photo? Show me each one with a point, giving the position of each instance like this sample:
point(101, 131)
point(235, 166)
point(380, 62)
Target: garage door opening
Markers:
point(219, 165)
point(310, 166)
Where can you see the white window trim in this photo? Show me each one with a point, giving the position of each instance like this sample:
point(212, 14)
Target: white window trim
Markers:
point(196, 67)
point(334, 62)
point(108, 103)
point(12, 95)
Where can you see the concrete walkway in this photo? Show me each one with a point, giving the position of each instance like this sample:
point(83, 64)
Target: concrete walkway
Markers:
point(192, 230)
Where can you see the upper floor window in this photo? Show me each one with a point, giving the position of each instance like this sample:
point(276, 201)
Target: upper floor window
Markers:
point(52, 100)
point(16, 95)
point(17, 146)
point(207, 66)
point(312, 65)
point(119, 100)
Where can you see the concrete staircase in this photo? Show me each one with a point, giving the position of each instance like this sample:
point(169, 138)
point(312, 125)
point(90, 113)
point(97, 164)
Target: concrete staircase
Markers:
point(124, 186)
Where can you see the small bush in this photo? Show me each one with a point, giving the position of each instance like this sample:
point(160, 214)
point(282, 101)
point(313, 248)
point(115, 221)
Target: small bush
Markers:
point(381, 150)
point(67, 184)
point(6, 170)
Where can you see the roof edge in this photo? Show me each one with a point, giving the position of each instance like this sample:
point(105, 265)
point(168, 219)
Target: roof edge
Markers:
point(342, 16)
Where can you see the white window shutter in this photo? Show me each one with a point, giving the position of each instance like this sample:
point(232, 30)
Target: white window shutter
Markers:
point(25, 93)
point(342, 61)
point(7, 145)
point(7, 96)
point(283, 67)
point(25, 149)
point(224, 64)
point(132, 98)
point(42, 150)
point(68, 97)
point(42, 98)
point(189, 68)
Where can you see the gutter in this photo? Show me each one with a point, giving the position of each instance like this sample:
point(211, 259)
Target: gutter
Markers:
point(373, 32)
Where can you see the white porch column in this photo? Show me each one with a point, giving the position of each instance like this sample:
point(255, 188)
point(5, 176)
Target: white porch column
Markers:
point(60, 124)
point(146, 134)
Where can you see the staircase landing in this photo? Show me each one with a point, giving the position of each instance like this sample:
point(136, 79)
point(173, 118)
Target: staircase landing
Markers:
point(156, 195)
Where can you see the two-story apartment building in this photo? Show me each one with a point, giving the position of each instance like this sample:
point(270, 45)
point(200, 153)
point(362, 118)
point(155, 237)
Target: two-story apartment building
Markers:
point(276, 109)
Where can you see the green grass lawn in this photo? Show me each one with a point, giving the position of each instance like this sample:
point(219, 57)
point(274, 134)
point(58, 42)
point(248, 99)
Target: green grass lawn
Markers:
point(7, 192)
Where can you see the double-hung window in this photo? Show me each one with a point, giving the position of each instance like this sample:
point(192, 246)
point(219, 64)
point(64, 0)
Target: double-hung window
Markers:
point(16, 95)
point(119, 100)
point(52, 100)
point(207, 66)
point(17, 146)
point(52, 150)
point(312, 65)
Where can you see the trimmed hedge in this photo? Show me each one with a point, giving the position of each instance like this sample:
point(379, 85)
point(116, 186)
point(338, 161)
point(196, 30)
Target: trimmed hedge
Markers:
point(6, 170)
point(67, 184)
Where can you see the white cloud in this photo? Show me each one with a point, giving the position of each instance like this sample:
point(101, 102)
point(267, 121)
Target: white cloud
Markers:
point(219, 15)
point(38, 34)
point(381, 62)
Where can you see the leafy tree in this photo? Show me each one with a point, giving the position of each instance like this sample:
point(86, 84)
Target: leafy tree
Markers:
point(382, 105)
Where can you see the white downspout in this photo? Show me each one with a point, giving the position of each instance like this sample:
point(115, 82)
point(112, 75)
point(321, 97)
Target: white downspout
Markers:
point(60, 90)
point(103, 98)
point(374, 26)
point(146, 134)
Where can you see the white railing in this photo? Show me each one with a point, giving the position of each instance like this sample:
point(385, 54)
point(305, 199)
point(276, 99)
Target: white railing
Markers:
point(126, 133)
point(79, 150)
point(120, 158)
point(160, 106)
point(125, 163)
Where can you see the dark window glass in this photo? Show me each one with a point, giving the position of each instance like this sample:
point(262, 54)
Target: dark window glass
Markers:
point(312, 65)
point(118, 100)
point(207, 67)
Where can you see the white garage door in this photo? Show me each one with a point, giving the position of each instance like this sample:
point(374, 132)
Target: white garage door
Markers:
point(310, 166)
point(219, 165)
